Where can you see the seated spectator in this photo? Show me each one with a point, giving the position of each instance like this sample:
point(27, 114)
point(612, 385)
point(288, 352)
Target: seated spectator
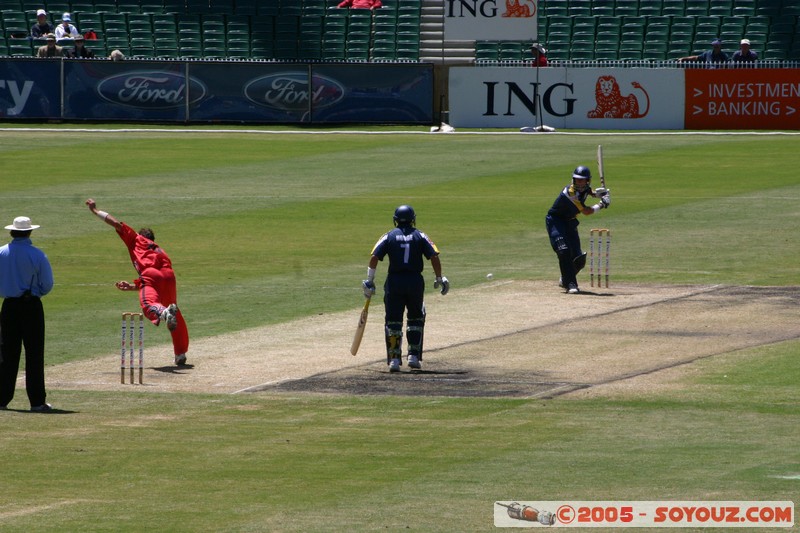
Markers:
point(66, 30)
point(116, 55)
point(42, 26)
point(80, 51)
point(744, 54)
point(90, 35)
point(715, 55)
point(539, 55)
point(51, 49)
point(361, 4)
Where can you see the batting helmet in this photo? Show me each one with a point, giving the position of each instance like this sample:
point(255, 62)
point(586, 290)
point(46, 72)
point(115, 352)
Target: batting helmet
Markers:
point(404, 216)
point(582, 172)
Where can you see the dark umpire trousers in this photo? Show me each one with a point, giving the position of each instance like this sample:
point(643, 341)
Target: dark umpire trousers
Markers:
point(22, 323)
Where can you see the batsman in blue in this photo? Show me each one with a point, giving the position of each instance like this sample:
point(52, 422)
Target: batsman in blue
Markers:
point(404, 289)
point(562, 224)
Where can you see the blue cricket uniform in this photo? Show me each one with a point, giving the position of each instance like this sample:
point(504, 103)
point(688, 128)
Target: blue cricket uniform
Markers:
point(562, 227)
point(404, 288)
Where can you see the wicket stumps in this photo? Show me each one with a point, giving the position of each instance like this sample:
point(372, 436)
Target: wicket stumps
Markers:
point(128, 325)
point(602, 258)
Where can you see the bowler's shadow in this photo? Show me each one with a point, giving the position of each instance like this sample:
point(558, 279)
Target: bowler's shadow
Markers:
point(173, 369)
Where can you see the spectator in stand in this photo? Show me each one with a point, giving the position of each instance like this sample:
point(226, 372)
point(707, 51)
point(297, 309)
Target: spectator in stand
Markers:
point(42, 26)
point(744, 54)
point(116, 55)
point(66, 30)
point(89, 34)
point(715, 55)
point(361, 4)
point(539, 55)
point(80, 51)
point(51, 49)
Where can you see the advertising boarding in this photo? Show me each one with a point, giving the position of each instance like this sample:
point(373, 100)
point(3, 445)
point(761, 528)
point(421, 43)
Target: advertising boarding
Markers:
point(469, 20)
point(30, 90)
point(585, 98)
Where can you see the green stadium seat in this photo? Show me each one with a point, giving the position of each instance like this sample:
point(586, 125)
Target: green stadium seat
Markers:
point(579, 8)
point(602, 11)
point(774, 54)
point(245, 7)
point(697, 8)
point(21, 47)
point(556, 9)
point(720, 8)
point(128, 7)
point(625, 8)
point(673, 8)
point(177, 7)
point(407, 54)
point(11, 6)
point(606, 55)
point(487, 50)
point(221, 7)
point(198, 6)
point(650, 8)
point(190, 52)
point(630, 55)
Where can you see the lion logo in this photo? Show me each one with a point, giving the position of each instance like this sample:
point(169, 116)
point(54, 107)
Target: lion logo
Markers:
point(611, 103)
point(520, 8)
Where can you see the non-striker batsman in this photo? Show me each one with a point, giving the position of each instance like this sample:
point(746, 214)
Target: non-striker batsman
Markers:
point(404, 288)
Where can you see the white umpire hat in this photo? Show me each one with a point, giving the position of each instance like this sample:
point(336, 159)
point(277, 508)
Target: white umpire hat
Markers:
point(22, 224)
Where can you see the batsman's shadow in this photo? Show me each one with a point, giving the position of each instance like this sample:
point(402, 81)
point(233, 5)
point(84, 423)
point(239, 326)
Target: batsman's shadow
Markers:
point(421, 372)
point(173, 369)
point(591, 293)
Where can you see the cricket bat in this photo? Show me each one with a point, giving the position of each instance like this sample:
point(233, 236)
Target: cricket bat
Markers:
point(362, 324)
point(600, 165)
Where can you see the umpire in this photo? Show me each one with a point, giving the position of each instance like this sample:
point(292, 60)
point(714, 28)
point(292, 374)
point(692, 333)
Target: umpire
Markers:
point(25, 276)
point(404, 288)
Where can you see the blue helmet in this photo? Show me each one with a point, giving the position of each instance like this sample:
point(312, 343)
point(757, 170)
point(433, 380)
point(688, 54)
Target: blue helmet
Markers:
point(582, 173)
point(404, 216)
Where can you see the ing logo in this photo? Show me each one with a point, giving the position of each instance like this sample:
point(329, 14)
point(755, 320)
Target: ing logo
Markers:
point(611, 104)
point(520, 9)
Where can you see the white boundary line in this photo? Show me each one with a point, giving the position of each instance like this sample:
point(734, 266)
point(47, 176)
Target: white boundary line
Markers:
point(178, 129)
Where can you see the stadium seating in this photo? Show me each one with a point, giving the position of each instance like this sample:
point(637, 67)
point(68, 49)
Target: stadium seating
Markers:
point(314, 30)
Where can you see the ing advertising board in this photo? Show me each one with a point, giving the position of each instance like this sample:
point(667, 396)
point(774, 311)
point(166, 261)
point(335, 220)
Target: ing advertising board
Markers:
point(590, 98)
point(469, 20)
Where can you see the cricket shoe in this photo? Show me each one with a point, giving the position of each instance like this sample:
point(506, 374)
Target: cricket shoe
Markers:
point(414, 362)
point(394, 365)
point(561, 283)
point(573, 289)
point(170, 316)
point(180, 359)
point(44, 408)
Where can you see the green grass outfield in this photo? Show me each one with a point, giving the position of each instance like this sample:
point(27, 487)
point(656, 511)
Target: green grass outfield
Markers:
point(265, 228)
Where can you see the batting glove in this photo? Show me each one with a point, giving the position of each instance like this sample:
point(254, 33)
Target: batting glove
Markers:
point(443, 283)
point(601, 191)
point(369, 288)
point(606, 200)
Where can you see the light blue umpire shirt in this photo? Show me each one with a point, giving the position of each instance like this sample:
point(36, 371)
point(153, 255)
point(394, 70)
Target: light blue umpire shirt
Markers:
point(23, 267)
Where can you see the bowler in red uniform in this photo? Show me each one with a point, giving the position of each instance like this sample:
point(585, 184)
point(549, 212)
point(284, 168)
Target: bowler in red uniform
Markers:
point(156, 282)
